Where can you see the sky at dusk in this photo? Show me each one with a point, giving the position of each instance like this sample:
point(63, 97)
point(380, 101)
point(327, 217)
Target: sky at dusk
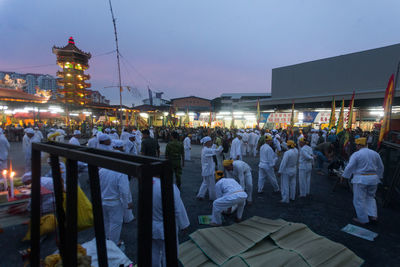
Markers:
point(185, 47)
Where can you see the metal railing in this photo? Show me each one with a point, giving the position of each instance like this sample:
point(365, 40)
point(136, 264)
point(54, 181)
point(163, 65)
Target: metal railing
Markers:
point(390, 153)
point(141, 167)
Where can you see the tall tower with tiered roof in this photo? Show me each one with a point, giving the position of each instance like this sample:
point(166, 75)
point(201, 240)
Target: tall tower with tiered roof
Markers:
point(73, 81)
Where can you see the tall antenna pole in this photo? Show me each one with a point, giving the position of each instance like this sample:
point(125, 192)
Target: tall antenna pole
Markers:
point(119, 67)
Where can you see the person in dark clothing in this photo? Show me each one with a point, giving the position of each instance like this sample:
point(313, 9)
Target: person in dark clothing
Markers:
point(150, 147)
point(175, 154)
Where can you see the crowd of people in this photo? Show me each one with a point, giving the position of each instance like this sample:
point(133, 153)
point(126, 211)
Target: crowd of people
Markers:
point(226, 177)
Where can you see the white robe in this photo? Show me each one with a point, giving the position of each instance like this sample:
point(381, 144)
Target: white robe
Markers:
point(253, 138)
point(38, 135)
point(93, 142)
point(124, 136)
point(288, 170)
point(181, 219)
point(367, 168)
point(236, 149)
point(114, 136)
point(314, 140)
point(187, 146)
point(229, 193)
point(245, 144)
point(27, 148)
point(305, 166)
point(268, 159)
point(74, 141)
point(207, 172)
point(242, 173)
point(4, 150)
point(130, 147)
point(116, 196)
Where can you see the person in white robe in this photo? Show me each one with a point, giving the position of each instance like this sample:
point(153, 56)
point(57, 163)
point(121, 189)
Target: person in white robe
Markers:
point(229, 194)
point(187, 146)
point(367, 168)
point(75, 138)
point(94, 130)
point(38, 133)
point(28, 139)
point(314, 138)
point(116, 198)
point(50, 135)
point(138, 140)
point(130, 145)
point(207, 169)
point(253, 138)
point(60, 138)
point(151, 131)
point(306, 160)
point(93, 142)
point(288, 170)
point(104, 141)
point(241, 171)
point(124, 135)
point(245, 143)
point(181, 220)
point(4, 151)
point(235, 152)
point(114, 135)
point(268, 159)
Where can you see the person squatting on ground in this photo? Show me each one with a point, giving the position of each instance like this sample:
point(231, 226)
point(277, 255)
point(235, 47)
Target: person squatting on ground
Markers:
point(305, 166)
point(229, 193)
point(367, 168)
point(288, 170)
point(268, 159)
point(182, 222)
point(241, 171)
point(207, 169)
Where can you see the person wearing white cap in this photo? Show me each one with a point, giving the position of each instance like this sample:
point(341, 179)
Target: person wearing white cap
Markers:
point(61, 136)
point(187, 145)
point(277, 143)
point(4, 150)
point(268, 159)
point(305, 166)
point(38, 133)
point(94, 130)
point(138, 138)
point(253, 138)
point(124, 135)
point(28, 139)
point(151, 130)
point(114, 135)
point(130, 145)
point(51, 132)
point(314, 138)
point(74, 139)
point(207, 169)
point(117, 145)
point(93, 142)
point(116, 198)
point(104, 141)
point(245, 143)
point(236, 147)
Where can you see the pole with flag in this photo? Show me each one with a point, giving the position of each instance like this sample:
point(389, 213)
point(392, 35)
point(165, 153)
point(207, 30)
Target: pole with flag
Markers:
point(346, 141)
point(258, 113)
point(332, 118)
point(339, 126)
point(210, 119)
point(387, 109)
point(292, 119)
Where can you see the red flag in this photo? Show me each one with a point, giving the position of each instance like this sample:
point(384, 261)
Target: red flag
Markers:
point(387, 107)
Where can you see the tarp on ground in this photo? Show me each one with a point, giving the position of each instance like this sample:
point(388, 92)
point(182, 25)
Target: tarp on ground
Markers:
point(260, 242)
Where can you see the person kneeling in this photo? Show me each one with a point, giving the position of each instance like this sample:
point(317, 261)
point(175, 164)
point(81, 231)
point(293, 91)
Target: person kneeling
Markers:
point(229, 193)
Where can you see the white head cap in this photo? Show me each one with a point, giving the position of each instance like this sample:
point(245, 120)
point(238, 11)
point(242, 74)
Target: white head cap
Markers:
point(29, 131)
point(103, 137)
point(76, 132)
point(117, 143)
point(205, 139)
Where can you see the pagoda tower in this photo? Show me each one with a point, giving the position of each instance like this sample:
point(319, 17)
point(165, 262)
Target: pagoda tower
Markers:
point(72, 82)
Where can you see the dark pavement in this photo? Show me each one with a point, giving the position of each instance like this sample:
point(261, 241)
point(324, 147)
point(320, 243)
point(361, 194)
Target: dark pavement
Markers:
point(325, 212)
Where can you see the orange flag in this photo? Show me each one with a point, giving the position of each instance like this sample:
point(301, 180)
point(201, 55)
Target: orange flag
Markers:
point(387, 109)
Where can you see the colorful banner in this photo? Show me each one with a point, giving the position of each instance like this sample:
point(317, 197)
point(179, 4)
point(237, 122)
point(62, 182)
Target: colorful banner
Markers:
point(309, 117)
point(387, 106)
point(332, 119)
point(339, 126)
point(279, 117)
point(264, 117)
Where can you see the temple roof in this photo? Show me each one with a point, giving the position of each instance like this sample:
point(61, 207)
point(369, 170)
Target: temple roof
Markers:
point(17, 95)
point(71, 47)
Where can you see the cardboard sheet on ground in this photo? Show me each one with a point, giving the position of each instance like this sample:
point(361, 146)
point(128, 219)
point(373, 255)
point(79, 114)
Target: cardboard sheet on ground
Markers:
point(260, 242)
point(360, 232)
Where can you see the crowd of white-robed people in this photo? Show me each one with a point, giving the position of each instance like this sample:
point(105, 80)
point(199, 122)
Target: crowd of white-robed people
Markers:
point(226, 176)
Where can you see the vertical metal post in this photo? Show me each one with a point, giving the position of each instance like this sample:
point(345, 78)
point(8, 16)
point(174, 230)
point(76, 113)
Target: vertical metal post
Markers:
point(35, 209)
point(168, 206)
point(145, 216)
point(72, 205)
point(58, 184)
point(98, 216)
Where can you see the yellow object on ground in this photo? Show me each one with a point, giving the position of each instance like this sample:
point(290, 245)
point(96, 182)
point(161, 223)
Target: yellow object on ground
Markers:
point(85, 211)
point(48, 224)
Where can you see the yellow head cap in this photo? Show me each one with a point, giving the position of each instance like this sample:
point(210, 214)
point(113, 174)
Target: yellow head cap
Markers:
point(290, 143)
point(361, 141)
point(219, 175)
point(301, 139)
point(227, 163)
point(268, 137)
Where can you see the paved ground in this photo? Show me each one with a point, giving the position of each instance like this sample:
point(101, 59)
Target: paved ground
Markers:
point(325, 213)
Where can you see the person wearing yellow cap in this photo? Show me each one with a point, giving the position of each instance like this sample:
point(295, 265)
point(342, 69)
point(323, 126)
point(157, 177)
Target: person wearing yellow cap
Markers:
point(305, 166)
point(241, 171)
point(288, 170)
point(367, 168)
point(268, 159)
point(236, 150)
point(229, 193)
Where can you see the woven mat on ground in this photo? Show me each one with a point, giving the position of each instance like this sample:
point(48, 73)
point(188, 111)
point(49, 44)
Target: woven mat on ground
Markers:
point(260, 242)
